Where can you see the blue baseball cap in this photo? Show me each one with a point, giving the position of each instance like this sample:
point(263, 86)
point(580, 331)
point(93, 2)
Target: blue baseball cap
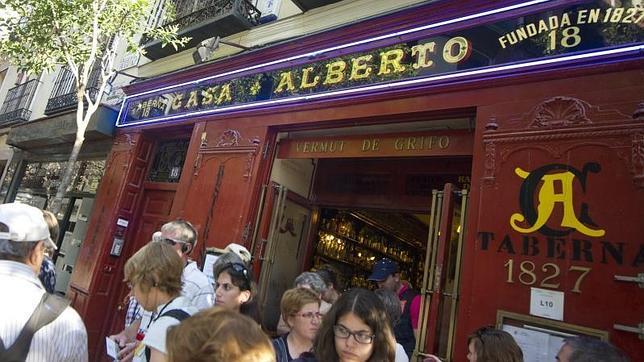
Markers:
point(383, 269)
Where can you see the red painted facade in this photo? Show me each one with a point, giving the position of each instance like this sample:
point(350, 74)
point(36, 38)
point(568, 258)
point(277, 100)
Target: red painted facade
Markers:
point(573, 115)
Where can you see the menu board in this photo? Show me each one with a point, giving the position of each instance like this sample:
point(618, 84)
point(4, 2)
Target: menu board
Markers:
point(540, 338)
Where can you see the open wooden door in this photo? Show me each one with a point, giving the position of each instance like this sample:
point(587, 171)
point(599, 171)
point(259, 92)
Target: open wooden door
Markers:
point(439, 291)
point(281, 240)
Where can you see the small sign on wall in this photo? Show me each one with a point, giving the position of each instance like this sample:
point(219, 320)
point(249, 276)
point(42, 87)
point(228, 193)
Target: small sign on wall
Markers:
point(547, 303)
point(270, 10)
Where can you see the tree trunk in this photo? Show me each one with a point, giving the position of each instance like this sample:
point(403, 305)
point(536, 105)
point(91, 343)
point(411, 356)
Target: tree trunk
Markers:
point(81, 124)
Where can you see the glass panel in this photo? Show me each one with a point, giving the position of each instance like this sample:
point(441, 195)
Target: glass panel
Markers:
point(38, 201)
point(447, 301)
point(168, 161)
point(45, 177)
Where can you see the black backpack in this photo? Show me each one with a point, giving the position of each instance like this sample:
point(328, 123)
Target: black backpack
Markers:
point(177, 314)
point(49, 308)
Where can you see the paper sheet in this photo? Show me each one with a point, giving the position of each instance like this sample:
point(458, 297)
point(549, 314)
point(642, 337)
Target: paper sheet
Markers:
point(207, 266)
point(536, 346)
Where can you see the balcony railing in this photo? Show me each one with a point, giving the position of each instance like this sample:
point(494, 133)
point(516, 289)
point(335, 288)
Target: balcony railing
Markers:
point(15, 108)
point(63, 97)
point(203, 19)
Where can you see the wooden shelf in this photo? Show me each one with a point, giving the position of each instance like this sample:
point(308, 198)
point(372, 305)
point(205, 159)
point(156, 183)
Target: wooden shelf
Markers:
point(347, 263)
point(384, 230)
point(365, 246)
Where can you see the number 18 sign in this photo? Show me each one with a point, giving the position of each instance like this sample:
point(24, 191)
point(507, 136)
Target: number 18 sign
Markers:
point(547, 303)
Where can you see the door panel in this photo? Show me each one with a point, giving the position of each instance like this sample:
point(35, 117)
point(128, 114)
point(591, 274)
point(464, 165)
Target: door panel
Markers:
point(285, 243)
point(441, 278)
point(155, 211)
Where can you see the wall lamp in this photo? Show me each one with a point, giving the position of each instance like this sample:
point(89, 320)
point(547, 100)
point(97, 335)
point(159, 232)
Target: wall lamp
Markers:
point(205, 49)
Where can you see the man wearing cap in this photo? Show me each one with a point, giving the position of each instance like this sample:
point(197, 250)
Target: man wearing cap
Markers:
point(196, 286)
point(385, 272)
point(24, 235)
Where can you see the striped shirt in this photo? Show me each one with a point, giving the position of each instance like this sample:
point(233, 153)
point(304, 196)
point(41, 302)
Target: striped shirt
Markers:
point(64, 339)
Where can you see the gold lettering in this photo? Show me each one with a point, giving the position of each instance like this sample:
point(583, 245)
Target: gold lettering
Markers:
point(341, 146)
point(630, 15)
point(225, 94)
point(463, 50)
point(443, 142)
point(335, 72)
point(366, 145)
point(548, 198)
point(192, 101)
point(421, 51)
point(411, 143)
point(593, 17)
point(306, 83)
point(543, 27)
point(553, 21)
point(391, 58)
point(370, 144)
point(565, 20)
point(176, 102)
point(617, 15)
point(306, 147)
point(432, 142)
point(286, 82)
point(581, 16)
point(398, 144)
point(298, 146)
point(208, 95)
point(360, 68)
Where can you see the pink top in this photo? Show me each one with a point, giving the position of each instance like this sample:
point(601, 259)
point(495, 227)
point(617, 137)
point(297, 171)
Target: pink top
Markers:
point(414, 308)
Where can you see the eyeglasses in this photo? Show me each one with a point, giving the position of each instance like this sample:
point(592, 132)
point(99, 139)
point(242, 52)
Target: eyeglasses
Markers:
point(343, 332)
point(309, 315)
point(172, 242)
point(239, 270)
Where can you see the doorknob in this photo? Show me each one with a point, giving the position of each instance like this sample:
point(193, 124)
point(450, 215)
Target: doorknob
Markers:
point(639, 279)
point(639, 329)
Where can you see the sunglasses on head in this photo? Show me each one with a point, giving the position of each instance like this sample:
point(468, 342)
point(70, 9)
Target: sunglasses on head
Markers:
point(484, 331)
point(239, 270)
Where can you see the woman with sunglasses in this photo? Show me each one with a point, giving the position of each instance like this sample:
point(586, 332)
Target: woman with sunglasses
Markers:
point(301, 308)
point(356, 329)
point(488, 344)
point(235, 290)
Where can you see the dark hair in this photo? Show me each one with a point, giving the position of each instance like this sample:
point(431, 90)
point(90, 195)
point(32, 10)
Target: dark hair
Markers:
point(328, 275)
point(495, 345)
point(241, 277)
point(366, 306)
point(586, 349)
point(392, 304)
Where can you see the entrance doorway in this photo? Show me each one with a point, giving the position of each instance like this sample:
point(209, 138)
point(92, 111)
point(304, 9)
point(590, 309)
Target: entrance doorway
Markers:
point(346, 212)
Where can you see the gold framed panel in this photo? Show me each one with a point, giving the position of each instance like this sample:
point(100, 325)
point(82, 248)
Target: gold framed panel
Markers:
point(504, 317)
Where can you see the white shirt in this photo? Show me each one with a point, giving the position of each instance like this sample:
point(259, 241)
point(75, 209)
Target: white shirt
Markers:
point(196, 287)
point(155, 335)
point(401, 355)
point(64, 339)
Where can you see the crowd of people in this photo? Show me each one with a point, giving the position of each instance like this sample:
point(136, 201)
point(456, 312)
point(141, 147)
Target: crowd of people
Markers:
point(176, 315)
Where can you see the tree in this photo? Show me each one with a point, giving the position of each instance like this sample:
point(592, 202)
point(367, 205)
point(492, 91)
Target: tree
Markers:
point(83, 35)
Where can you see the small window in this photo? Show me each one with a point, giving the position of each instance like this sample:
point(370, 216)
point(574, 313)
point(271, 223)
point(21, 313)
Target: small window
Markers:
point(168, 161)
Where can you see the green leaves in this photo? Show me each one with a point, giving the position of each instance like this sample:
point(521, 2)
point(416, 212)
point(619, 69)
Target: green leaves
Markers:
point(37, 35)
